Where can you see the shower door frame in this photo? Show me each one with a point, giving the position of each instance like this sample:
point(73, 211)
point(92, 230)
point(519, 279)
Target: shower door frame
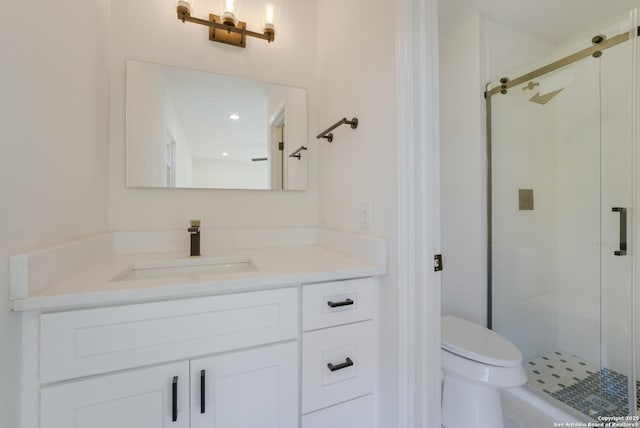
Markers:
point(507, 83)
point(502, 88)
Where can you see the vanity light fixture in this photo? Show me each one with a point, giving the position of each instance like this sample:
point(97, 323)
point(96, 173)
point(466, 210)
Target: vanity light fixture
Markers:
point(227, 28)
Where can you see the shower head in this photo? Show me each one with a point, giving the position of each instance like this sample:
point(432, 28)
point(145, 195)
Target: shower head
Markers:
point(543, 99)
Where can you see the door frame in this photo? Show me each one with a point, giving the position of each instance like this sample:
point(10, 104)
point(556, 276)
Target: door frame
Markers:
point(418, 212)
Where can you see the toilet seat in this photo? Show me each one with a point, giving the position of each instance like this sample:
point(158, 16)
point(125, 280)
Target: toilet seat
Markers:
point(477, 343)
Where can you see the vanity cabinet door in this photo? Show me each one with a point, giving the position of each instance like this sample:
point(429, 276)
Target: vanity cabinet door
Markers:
point(247, 389)
point(144, 398)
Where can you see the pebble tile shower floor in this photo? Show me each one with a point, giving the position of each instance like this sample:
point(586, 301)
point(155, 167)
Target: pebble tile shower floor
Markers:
point(579, 384)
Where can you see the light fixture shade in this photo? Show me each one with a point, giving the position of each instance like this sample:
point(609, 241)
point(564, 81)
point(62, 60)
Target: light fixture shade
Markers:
point(184, 9)
point(271, 15)
point(271, 11)
point(188, 4)
point(229, 11)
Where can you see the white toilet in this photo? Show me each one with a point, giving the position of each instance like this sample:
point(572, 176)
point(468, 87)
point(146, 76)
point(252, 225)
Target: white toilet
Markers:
point(477, 363)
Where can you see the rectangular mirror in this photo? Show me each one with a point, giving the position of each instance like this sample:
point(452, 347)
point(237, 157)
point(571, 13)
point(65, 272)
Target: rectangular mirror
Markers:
point(191, 129)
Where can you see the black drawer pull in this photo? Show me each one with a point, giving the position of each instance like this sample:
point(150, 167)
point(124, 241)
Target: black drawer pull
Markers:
point(202, 390)
point(174, 400)
point(338, 304)
point(347, 363)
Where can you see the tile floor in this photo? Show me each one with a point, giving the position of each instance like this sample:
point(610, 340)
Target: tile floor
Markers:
point(579, 384)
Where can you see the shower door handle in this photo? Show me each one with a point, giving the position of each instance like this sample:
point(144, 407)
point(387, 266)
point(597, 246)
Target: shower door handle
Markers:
point(623, 231)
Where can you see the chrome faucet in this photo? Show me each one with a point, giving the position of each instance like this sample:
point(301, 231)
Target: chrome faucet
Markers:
point(194, 231)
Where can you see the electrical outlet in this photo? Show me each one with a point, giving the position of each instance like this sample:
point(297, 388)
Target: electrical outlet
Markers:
point(364, 214)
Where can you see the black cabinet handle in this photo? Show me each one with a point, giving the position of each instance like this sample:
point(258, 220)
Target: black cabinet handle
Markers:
point(338, 304)
point(348, 363)
point(202, 391)
point(623, 230)
point(174, 400)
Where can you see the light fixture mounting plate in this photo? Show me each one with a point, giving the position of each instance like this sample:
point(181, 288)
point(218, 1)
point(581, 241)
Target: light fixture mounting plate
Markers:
point(228, 37)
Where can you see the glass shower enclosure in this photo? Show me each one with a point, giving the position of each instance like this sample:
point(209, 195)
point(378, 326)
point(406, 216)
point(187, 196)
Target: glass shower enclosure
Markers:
point(561, 210)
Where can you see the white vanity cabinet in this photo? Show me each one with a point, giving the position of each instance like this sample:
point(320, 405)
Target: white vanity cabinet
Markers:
point(108, 367)
point(291, 357)
point(246, 389)
point(338, 354)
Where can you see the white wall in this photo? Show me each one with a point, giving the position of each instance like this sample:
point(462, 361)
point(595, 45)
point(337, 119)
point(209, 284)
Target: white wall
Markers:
point(53, 154)
point(525, 292)
point(507, 48)
point(473, 49)
point(356, 77)
point(464, 289)
point(148, 30)
point(579, 263)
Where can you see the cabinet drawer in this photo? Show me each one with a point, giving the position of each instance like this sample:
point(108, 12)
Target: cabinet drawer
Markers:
point(85, 342)
point(348, 350)
point(356, 413)
point(335, 303)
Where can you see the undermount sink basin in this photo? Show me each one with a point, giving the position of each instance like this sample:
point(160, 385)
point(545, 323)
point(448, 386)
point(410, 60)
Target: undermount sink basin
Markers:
point(154, 269)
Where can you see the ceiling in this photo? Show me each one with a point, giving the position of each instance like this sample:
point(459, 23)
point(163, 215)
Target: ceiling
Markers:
point(554, 21)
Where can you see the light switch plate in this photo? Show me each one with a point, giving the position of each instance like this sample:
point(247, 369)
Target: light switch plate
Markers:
point(364, 215)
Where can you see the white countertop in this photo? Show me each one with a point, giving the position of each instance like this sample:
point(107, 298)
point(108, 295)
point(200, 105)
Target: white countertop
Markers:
point(276, 267)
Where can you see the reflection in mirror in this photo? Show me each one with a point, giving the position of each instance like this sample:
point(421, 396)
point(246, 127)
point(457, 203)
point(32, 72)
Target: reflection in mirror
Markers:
point(190, 129)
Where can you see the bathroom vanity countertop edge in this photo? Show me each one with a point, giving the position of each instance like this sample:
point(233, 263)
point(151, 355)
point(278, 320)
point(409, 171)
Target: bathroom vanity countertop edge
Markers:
point(276, 268)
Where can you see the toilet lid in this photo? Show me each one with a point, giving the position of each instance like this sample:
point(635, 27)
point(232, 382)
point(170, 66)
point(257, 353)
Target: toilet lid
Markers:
point(475, 342)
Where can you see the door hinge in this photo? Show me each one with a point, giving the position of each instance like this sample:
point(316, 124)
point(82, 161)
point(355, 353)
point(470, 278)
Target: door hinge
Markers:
point(281, 146)
point(437, 262)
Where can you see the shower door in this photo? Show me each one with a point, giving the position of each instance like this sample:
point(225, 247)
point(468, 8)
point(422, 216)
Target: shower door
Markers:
point(561, 195)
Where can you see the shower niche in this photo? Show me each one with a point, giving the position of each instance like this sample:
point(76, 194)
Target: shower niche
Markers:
point(561, 274)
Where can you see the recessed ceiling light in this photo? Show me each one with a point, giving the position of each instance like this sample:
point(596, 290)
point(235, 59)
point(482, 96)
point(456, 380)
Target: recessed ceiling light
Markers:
point(234, 117)
point(225, 154)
